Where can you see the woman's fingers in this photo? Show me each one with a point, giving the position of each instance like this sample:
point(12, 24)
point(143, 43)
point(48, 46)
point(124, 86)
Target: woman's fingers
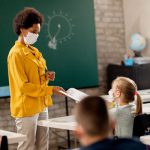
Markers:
point(57, 89)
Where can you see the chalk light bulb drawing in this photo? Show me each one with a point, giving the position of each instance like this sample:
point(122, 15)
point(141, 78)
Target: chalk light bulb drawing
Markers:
point(59, 29)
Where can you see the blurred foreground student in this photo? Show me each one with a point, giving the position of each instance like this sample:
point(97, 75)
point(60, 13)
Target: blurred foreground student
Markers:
point(28, 81)
point(94, 127)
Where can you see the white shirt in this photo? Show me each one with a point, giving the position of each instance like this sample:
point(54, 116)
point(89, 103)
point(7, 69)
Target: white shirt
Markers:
point(124, 118)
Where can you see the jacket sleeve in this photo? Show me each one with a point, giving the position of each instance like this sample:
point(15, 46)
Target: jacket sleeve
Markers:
point(26, 87)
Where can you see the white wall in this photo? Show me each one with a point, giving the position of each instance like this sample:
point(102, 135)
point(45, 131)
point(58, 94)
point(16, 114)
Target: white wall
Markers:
point(137, 19)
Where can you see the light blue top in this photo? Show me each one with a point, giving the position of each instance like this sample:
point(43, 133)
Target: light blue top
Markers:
point(124, 118)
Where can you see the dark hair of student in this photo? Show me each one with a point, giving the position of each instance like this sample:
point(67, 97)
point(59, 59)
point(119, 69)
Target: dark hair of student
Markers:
point(92, 114)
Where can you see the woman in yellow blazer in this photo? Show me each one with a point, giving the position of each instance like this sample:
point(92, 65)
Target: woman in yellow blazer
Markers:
point(30, 93)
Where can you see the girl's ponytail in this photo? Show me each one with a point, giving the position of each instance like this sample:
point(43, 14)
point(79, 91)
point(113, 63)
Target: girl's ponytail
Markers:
point(138, 103)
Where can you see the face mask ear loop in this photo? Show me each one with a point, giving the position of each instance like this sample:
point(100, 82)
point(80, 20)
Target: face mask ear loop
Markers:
point(24, 38)
point(22, 32)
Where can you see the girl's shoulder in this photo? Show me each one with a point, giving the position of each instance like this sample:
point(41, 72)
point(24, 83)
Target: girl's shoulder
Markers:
point(129, 108)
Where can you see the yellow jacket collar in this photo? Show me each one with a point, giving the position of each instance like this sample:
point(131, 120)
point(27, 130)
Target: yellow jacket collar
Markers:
point(37, 58)
point(25, 49)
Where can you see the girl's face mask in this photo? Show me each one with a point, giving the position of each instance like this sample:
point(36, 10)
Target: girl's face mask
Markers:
point(114, 93)
point(110, 93)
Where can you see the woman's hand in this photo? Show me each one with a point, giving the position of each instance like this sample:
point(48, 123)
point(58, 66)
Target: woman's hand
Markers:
point(50, 75)
point(57, 89)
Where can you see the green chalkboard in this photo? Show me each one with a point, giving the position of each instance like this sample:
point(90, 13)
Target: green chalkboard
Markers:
point(67, 39)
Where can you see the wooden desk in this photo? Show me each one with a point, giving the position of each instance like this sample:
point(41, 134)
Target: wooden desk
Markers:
point(12, 137)
point(66, 123)
point(146, 108)
point(145, 139)
point(69, 123)
point(138, 73)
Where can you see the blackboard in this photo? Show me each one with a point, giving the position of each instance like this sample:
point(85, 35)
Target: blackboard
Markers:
point(67, 39)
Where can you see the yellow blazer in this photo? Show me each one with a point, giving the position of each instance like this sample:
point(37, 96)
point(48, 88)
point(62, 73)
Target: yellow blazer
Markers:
point(29, 90)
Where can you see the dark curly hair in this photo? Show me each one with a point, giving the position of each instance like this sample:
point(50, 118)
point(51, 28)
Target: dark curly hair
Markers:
point(26, 18)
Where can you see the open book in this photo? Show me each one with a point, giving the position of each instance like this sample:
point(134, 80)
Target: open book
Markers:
point(74, 94)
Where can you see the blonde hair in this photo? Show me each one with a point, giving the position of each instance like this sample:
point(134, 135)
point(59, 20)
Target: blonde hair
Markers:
point(129, 89)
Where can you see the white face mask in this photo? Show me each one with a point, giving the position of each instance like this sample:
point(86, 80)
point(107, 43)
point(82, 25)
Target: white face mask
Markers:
point(31, 38)
point(110, 93)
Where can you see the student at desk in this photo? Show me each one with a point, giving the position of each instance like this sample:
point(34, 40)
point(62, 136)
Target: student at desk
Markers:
point(124, 93)
point(94, 127)
point(29, 90)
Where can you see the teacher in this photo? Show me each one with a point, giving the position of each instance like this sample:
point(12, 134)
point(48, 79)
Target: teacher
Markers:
point(28, 81)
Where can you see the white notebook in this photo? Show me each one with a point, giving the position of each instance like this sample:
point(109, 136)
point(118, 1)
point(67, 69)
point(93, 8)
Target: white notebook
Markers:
point(74, 94)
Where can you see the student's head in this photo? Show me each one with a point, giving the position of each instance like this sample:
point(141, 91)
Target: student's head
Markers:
point(125, 90)
point(92, 119)
point(28, 22)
